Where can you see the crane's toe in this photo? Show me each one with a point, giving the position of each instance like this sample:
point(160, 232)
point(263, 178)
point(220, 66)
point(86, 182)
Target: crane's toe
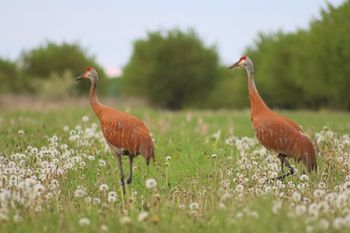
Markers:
point(129, 180)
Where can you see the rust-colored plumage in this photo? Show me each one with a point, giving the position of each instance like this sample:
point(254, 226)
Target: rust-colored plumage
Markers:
point(124, 133)
point(276, 132)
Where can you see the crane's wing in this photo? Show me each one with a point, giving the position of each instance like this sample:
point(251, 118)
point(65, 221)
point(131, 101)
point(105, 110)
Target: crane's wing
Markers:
point(293, 124)
point(275, 133)
point(125, 131)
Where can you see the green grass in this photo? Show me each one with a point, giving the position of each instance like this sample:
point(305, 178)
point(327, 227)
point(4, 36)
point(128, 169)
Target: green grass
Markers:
point(192, 175)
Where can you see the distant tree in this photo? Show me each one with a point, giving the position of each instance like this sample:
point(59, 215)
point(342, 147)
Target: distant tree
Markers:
point(307, 68)
point(172, 69)
point(9, 77)
point(51, 58)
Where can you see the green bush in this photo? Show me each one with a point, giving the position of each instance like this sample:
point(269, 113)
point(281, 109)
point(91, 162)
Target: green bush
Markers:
point(9, 77)
point(51, 58)
point(307, 68)
point(172, 69)
point(55, 86)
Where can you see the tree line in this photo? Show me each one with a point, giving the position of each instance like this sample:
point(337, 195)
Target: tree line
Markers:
point(174, 69)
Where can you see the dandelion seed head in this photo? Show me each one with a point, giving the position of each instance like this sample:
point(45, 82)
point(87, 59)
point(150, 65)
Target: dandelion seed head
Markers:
point(85, 119)
point(103, 187)
point(193, 206)
point(296, 196)
point(239, 188)
point(151, 183)
point(104, 227)
point(102, 163)
point(125, 220)
point(143, 216)
point(20, 132)
point(84, 222)
point(79, 192)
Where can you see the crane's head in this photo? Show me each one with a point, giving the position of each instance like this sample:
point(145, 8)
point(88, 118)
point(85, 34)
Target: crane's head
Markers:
point(90, 73)
point(242, 62)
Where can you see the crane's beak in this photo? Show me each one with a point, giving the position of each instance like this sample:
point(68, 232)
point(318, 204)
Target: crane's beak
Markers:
point(79, 78)
point(233, 66)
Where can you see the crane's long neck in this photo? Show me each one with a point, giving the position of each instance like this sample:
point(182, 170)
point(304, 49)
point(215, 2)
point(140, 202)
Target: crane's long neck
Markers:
point(95, 104)
point(257, 104)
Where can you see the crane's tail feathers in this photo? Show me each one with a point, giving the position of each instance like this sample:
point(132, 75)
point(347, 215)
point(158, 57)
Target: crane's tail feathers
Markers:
point(150, 157)
point(310, 162)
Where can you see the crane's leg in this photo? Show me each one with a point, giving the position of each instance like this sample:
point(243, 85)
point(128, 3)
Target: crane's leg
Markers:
point(281, 156)
point(283, 159)
point(131, 159)
point(122, 176)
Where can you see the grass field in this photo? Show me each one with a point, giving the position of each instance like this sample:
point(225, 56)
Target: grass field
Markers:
point(57, 175)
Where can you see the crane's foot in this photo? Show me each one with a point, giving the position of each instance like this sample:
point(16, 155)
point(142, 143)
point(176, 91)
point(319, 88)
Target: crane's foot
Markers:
point(291, 172)
point(129, 180)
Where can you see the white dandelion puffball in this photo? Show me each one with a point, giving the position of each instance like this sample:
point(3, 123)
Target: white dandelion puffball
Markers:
point(20, 132)
point(102, 162)
point(85, 118)
point(125, 220)
point(151, 183)
point(239, 188)
point(79, 192)
point(296, 196)
point(194, 206)
point(103, 187)
point(143, 216)
point(84, 222)
point(104, 227)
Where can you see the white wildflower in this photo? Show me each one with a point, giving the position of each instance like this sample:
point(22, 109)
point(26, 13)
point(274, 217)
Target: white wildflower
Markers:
point(87, 200)
point(216, 135)
point(304, 177)
point(96, 201)
point(151, 183)
point(300, 210)
point(104, 227)
point(323, 224)
point(143, 216)
point(20, 132)
point(91, 158)
point(85, 118)
point(102, 162)
point(276, 206)
point(239, 188)
point(194, 206)
point(103, 187)
point(79, 192)
point(125, 220)
point(296, 196)
point(321, 185)
point(84, 222)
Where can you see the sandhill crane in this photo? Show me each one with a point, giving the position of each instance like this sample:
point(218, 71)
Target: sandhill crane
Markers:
point(124, 133)
point(276, 132)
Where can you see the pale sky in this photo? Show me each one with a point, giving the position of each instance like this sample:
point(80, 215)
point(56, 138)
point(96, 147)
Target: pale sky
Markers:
point(107, 28)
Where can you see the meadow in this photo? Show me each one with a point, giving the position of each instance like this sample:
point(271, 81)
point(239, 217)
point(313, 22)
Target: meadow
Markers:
point(210, 175)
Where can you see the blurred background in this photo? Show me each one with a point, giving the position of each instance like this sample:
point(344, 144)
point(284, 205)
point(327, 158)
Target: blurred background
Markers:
point(174, 55)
